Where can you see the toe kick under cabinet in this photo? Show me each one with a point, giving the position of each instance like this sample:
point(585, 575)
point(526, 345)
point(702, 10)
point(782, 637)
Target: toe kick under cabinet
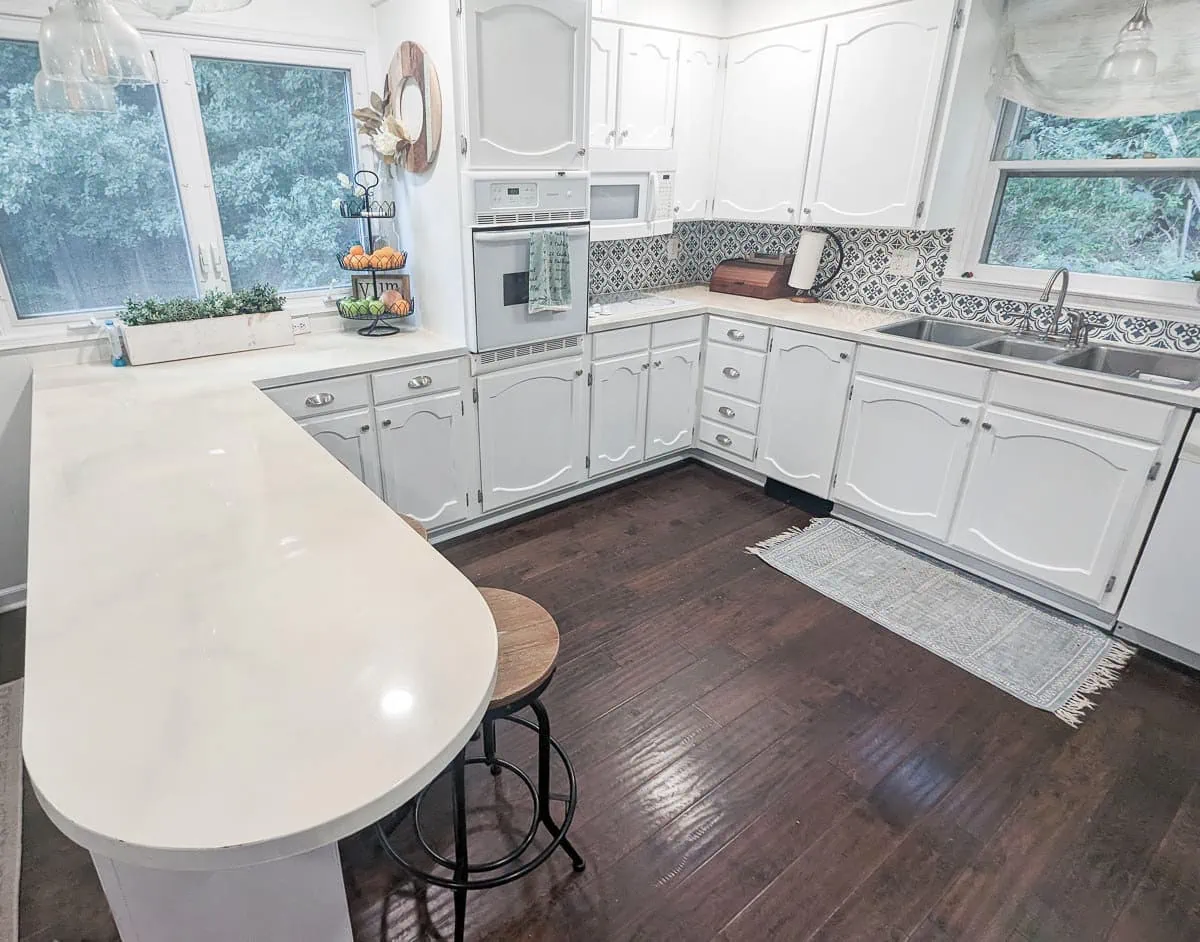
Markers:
point(1028, 481)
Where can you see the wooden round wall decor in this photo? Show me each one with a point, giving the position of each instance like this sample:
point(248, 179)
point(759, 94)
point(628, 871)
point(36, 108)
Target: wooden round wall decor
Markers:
point(416, 102)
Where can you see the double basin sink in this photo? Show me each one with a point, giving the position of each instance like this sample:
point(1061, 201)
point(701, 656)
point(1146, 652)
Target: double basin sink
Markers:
point(1149, 366)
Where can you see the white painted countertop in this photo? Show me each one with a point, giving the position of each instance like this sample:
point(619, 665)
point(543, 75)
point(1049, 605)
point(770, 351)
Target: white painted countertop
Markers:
point(235, 652)
point(857, 323)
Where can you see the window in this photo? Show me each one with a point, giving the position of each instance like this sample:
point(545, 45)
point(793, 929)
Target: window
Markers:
point(222, 177)
point(1115, 200)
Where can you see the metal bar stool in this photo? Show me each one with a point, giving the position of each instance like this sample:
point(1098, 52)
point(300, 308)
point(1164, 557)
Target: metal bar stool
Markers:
point(528, 652)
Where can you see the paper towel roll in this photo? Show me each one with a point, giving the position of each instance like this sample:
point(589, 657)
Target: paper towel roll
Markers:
point(808, 259)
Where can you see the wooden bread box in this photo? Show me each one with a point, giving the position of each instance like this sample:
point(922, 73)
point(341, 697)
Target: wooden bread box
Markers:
point(755, 276)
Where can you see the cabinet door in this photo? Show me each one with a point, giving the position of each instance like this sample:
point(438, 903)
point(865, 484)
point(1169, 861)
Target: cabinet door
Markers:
point(904, 453)
point(527, 88)
point(770, 92)
point(695, 125)
point(602, 89)
point(618, 412)
point(674, 388)
point(1052, 501)
point(350, 438)
point(533, 430)
point(803, 407)
point(649, 68)
point(876, 114)
point(425, 454)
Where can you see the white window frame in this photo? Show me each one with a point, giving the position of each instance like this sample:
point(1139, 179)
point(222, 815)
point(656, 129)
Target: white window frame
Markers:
point(1140, 297)
point(173, 52)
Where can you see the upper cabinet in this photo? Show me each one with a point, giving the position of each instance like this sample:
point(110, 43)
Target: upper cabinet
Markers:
point(875, 117)
point(646, 111)
point(696, 112)
point(770, 91)
point(602, 92)
point(527, 83)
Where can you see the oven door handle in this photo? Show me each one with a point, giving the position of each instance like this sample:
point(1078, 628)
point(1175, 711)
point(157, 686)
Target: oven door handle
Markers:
point(518, 235)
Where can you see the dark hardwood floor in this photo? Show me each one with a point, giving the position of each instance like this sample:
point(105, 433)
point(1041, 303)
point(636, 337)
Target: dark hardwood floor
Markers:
point(756, 762)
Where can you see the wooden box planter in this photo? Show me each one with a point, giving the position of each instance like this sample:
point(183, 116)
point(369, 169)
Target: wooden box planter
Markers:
point(210, 336)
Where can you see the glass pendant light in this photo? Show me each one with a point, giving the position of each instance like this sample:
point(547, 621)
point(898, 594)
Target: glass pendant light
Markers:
point(51, 94)
point(111, 51)
point(59, 40)
point(1132, 59)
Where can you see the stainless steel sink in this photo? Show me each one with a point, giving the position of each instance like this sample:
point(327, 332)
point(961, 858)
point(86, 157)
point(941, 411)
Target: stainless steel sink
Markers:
point(946, 333)
point(1022, 348)
point(1149, 366)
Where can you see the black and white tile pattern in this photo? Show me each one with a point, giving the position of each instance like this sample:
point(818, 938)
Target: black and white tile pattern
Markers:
point(631, 264)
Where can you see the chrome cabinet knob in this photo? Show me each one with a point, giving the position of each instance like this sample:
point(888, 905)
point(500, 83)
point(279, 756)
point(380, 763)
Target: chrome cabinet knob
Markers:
point(420, 382)
point(579, 372)
point(645, 366)
point(387, 423)
point(964, 421)
point(724, 440)
point(731, 372)
point(986, 426)
point(318, 400)
point(657, 364)
point(625, 134)
point(844, 356)
point(791, 210)
point(735, 334)
point(364, 428)
point(582, 152)
point(727, 412)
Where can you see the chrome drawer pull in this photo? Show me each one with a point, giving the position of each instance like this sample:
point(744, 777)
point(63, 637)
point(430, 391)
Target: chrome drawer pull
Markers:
point(735, 334)
point(320, 399)
point(419, 382)
point(724, 440)
point(731, 372)
point(727, 412)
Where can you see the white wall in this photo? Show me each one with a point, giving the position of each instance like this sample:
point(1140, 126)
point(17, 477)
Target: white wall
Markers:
point(15, 398)
point(429, 205)
point(688, 16)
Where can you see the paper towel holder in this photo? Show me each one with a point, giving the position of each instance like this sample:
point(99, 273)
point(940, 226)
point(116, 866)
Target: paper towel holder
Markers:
point(806, 265)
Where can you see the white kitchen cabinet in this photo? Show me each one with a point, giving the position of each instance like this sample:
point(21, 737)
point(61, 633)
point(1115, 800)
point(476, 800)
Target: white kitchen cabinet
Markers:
point(876, 113)
point(427, 458)
point(1053, 501)
point(771, 84)
point(646, 109)
point(671, 413)
point(602, 88)
point(808, 377)
point(696, 113)
point(527, 83)
point(619, 396)
point(533, 430)
point(349, 437)
point(904, 453)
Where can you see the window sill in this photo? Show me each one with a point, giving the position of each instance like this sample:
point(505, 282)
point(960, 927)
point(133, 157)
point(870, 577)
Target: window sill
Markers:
point(1178, 302)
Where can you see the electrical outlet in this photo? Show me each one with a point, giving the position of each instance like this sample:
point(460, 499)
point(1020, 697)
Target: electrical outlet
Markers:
point(674, 248)
point(300, 325)
point(903, 262)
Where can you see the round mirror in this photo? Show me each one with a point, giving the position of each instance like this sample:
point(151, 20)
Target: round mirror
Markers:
point(411, 108)
point(416, 102)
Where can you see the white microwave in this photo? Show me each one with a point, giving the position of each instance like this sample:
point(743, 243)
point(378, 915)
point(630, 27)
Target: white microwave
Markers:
point(631, 205)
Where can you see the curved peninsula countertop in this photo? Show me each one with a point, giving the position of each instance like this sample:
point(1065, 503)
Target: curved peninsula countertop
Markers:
point(235, 653)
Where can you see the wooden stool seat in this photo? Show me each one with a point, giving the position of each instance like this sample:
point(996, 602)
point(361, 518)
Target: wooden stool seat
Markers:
point(528, 641)
point(416, 526)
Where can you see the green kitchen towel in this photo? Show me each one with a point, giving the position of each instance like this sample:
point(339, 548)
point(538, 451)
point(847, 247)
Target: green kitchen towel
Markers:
point(549, 271)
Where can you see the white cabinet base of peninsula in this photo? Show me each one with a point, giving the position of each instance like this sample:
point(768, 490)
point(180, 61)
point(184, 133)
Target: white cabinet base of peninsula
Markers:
point(533, 430)
point(296, 899)
point(671, 413)
point(348, 436)
point(808, 377)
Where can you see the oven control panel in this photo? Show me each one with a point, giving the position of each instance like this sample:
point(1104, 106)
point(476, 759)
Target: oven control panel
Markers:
point(522, 198)
point(513, 196)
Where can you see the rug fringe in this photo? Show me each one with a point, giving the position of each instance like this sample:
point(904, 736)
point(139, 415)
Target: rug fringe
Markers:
point(1104, 677)
point(759, 548)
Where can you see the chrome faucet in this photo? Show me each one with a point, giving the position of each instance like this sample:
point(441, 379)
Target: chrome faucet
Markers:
point(1052, 327)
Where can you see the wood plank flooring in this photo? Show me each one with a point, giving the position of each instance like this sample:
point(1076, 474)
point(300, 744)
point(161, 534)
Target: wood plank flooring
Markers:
point(756, 762)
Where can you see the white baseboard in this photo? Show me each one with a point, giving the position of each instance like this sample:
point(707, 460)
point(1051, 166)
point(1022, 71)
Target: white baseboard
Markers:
point(12, 599)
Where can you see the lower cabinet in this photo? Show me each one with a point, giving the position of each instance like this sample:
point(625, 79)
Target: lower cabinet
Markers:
point(804, 403)
point(1053, 501)
point(904, 453)
point(671, 412)
point(426, 453)
point(619, 396)
point(349, 437)
point(533, 430)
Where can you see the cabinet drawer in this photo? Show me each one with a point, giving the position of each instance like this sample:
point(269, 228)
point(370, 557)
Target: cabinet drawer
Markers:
point(331, 395)
point(1137, 418)
point(735, 372)
point(672, 333)
point(420, 380)
point(726, 438)
point(739, 333)
point(615, 343)
point(718, 407)
point(925, 372)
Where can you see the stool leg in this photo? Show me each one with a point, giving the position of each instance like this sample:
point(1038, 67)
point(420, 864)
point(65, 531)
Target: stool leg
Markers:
point(544, 784)
point(489, 745)
point(461, 875)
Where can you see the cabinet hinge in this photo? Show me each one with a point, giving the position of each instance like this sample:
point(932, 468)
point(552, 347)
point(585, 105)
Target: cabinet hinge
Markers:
point(770, 345)
point(479, 494)
point(462, 407)
point(587, 462)
point(589, 377)
point(833, 482)
point(475, 394)
point(754, 456)
point(920, 209)
point(458, 11)
point(850, 393)
point(462, 144)
point(958, 17)
point(1110, 585)
point(1154, 471)
point(468, 498)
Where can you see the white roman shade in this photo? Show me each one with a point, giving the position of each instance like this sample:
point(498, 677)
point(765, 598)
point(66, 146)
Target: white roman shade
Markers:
point(1053, 54)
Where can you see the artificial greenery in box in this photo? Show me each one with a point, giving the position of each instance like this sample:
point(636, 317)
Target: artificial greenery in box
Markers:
point(259, 299)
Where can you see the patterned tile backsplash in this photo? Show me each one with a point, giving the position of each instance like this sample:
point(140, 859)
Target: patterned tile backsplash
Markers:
point(629, 264)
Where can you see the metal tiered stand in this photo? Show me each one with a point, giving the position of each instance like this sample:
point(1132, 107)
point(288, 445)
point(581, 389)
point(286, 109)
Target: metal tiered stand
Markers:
point(366, 208)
